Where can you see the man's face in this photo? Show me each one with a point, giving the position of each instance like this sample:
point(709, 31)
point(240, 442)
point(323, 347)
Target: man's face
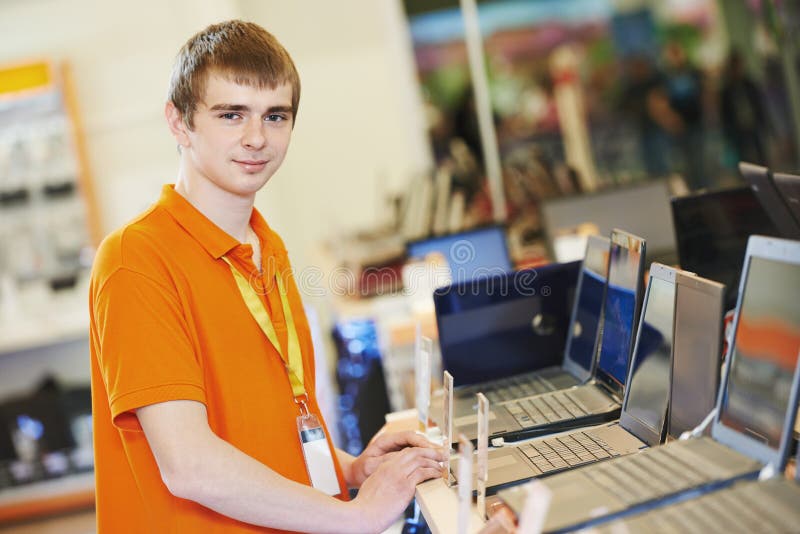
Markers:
point(240, 135)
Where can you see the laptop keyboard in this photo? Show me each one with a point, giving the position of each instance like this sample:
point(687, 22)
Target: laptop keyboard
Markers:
point(730, 511)
point(651, 474)
point(555, 454)
point(727, 511)
point(516, 387)
point(545, 409)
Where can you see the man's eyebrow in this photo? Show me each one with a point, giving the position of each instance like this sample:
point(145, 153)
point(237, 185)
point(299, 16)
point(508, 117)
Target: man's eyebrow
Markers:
point(229, 107)
point(242, 107)
point(280, 109)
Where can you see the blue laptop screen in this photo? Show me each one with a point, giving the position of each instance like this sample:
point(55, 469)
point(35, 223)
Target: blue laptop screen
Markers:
point(589, 303)
point(648, 392)
point(766, 344)
point(474, 254)
point(619, 312)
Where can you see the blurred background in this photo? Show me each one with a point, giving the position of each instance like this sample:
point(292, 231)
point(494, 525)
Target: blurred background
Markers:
point(529, 123)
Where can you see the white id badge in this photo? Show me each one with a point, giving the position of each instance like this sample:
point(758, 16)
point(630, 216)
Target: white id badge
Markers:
point(318, 456)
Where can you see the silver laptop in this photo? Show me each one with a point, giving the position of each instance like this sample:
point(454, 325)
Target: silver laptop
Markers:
point(580, 346)
point(644, 408)
point(699, 310)
point(768, 506)
point(754, 420)
point(599, 400)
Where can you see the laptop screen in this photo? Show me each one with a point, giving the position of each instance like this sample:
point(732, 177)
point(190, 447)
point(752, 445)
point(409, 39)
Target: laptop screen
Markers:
point(698, 352)
point(582, 340)
point(712, 230)
point(648, 391)
point(626, 259)
point(507, 324)
point(473, 254)
point(764, 356)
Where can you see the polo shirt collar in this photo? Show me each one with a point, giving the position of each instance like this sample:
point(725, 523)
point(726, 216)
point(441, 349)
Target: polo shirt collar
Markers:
point(211, 237)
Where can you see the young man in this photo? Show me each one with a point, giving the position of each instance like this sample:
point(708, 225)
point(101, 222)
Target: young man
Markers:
point(202, 362)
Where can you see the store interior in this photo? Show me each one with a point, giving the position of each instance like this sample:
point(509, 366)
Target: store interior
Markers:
point(436, 146)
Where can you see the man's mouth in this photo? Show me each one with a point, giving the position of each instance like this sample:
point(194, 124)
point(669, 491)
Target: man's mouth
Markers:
point(251, 164)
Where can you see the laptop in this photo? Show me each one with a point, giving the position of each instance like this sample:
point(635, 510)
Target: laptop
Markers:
point(642, 208)
point(470, 254)
point(489, 326)
point(696, 363)
point(599, 400)
point(578, 353)
point(761, 181)
point(712, 228)
point(644, 409)
point(754, 416)
point(768, 506)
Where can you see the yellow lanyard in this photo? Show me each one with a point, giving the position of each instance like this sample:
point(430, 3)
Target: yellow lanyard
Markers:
point(294, 363)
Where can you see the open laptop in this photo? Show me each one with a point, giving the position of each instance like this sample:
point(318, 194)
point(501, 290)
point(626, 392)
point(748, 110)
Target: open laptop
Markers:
point(644, 409)
point(765, 506)
point(761, 180)
point(488, 327)
point(641, 207)
point(599, 400)
point(712, 228)
point(471, 254)
point(696, 363)
point(754, 416)
point(579, 351)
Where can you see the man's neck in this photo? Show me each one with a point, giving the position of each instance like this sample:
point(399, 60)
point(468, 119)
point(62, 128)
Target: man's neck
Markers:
point(228, 211)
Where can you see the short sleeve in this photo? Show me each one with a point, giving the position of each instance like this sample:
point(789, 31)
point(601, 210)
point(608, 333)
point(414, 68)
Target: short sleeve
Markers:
point(145, 355)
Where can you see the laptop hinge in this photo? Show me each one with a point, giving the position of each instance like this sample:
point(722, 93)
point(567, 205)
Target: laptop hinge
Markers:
point(609, 391)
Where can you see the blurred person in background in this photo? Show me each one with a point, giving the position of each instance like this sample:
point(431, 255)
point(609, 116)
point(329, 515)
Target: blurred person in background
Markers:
point(644, 98)
point(204, 407)
point(742, 113)
point(684, 83)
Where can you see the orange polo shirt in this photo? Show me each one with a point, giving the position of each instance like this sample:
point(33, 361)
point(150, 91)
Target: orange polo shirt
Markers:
point(169, 323)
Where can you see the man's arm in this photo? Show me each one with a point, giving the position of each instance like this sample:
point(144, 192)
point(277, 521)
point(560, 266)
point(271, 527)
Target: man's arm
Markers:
point(197, 465)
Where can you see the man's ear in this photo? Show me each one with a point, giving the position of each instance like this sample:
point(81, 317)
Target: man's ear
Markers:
point(176, 124)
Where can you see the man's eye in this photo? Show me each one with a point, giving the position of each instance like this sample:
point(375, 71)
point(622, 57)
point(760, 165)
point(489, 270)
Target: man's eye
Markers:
point(230, 116)
point(275, 118)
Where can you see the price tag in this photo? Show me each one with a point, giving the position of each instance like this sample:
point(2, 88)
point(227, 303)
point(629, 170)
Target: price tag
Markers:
point(534, 512)
point(465, 451)
point(423, 378)
point(483, 452)
point(447, 426)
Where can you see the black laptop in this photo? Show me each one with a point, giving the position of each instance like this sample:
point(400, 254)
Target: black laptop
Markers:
point(599, 400)
point(581, 334)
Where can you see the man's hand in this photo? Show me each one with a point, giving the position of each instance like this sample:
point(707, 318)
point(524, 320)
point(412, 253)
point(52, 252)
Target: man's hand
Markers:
point(388, 490)
point(383, 448)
